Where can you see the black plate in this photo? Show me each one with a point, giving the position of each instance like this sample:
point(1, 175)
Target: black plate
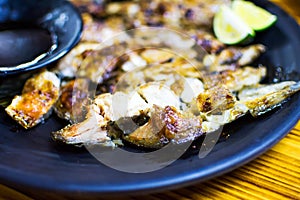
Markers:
point(31, 162)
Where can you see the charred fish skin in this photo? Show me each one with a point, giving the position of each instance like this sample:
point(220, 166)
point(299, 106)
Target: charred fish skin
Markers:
point(226, 87)
point(235, 80)
point(73, 100)
point(95, 7)
point(92, 130)
point(264, 98)
point(35, 103)
point(166, 125)
point(235, 94)
point(167, 12)
point(86, 132)
point(232, 58)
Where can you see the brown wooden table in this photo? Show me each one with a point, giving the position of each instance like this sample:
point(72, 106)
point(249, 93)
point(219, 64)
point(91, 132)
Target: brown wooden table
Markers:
point(274, 175)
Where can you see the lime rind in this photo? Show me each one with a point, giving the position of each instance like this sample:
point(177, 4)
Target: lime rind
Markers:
point(256, 17)
point(230, 28)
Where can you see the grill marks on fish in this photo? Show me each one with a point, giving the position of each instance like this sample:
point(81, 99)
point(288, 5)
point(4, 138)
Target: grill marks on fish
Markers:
point(173, 13)
point(179, 100)
point(233, 57)
point(35, 103)
point(180, 121)
point(73, 100)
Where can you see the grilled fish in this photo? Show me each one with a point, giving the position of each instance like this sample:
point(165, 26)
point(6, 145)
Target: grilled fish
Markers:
point(157, 97)
point(167, 12)
point(93, 129)
point(73, 100)
point(172, 118)
point(235, 80)
point(35, 103)
point(233, 57)
point(95, 7)
point(256, 100)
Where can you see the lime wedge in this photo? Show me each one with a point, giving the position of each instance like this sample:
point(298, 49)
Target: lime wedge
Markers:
point(257, 18)
point(229, 28)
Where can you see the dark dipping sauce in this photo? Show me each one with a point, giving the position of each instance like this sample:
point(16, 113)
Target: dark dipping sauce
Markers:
point(21, 44)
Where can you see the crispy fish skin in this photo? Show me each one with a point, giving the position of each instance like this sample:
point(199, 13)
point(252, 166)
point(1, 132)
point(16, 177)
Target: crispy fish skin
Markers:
point(181, 127)
point(208, 42)
point(167, 12)
point(227, 88)
point(73, 100)
point(166, 125)
point(149, 135)
point(93, 129)
point(86, 132)
point(264, 98)
point(95, 7)
point(235, 80)
point(215, 108)
point(98, 30)
point(233, 57)
point(256, 100)
point(215, 100)
point(38, 96)
point(68, 66)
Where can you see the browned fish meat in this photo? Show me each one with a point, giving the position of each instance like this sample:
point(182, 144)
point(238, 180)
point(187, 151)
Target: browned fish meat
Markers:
point(95, 7)
point(169, 13)
point(96, 30)
point(216, 99)
point(34, 104)
point(208, 42)
point(93, 129)
point(236, 79)
point(73, 101)
point(233, 57)
point(166, 125)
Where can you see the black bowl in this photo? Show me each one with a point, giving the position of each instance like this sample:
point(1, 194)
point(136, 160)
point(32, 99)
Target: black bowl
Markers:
point(59, 18)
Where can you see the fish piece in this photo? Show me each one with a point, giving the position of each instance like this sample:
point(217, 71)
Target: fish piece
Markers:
point(173, 75)
point(235, 80)
point(86, 132)
point(129, 9)
point(134, 61)
point(104, 109)
point(201, 13)
point(73, 100)
point(98, 31)
point(212, 121)
point(181, 127)
point(264, 98)
point(109, 108)
point(233, 57)
point(157, 56)
point(96, 65)
point(158, 94)
point(93, 129)
point(68, 66)
point(215, 100)
point(165, 125)
point(208, 42)
point(34, 104)
point(192, 87)
point(167, 12)
point(95, 7)
point(93, 37)
point(149, 135)
point(256, 100)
